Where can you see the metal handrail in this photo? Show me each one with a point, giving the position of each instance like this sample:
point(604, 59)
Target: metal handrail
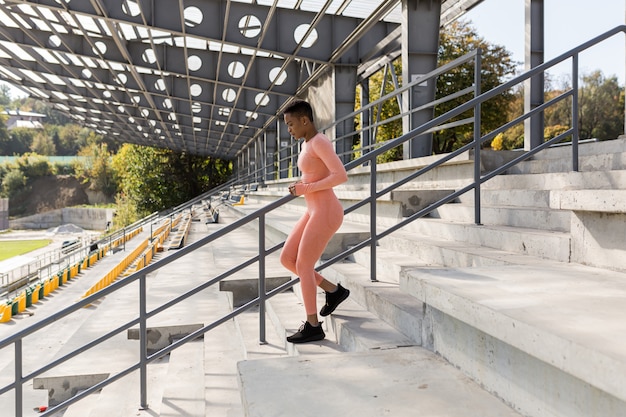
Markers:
point(260, 216)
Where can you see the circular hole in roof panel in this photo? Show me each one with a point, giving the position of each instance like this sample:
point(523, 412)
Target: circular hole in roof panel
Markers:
point(148, 56)
point(54, 41)
point(145, 112)
point(131, 7)
point(194, 62)
point(261, 99)
point(100, 48)
point(229, 95)
point(167, 103)
point(160, 85)
point(301, 31)
point(236, 69)
point(278, 76)
point(193, 16)
point(195, 90)
point(86, 73)
point(107, 94)
point(122, 78)
point(250, 26)
point(196, 107)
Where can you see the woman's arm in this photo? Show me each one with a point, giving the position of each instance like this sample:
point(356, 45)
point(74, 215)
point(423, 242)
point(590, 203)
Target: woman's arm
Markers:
point(324, 150)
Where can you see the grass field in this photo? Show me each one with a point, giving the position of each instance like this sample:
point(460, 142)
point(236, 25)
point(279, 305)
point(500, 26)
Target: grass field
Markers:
point(11, 248)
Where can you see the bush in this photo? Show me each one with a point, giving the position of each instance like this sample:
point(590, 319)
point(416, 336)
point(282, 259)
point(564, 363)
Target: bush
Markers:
point(13, 182)
point(33, 165)
point(62, 168)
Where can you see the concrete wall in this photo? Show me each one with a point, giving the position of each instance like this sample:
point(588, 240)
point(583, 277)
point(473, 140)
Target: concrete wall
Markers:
point(4, 213)
point(86, 218)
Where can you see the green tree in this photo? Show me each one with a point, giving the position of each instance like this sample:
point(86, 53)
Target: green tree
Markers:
point(17, 142)
point(71, 139)
point(5, 95)
point(458, 39)
point(97, 168)
point(33, 165)
point(380, 84)
point(601, 107)
point(43, 144)
point(155, 179)
point(13, 182)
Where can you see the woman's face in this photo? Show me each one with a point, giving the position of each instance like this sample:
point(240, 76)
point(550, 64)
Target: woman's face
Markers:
point(296, 125)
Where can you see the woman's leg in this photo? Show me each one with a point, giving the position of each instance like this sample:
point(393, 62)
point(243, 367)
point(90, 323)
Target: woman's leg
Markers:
point(315, 236)
point(289, 253)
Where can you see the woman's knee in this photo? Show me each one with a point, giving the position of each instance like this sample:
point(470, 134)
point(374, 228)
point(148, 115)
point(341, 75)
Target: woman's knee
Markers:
point(287, 261)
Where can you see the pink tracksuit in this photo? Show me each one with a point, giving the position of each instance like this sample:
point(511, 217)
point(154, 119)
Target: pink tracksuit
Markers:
point(321, 170)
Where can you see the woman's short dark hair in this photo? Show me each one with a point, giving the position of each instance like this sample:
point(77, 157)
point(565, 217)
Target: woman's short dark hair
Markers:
point(300, 108)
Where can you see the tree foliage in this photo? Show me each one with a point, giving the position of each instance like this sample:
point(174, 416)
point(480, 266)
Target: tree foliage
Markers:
point(155, 179)
point(458, 39)
point(601, 111)
point(97, 168)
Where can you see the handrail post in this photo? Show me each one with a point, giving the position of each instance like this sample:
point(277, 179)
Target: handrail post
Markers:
point(262, 290)
point(143, 343)
point(373, 239)
point(18, 379)
point(477, 136)
point(576, 132)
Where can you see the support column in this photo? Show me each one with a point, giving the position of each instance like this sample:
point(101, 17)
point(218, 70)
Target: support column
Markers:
point(271, 145)
point(420, 44)
point(345, 95)
point(284, 146)
point(534, 87)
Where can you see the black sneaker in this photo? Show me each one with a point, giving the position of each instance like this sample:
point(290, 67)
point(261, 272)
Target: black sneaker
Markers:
point(333, 299)
point(307, 333)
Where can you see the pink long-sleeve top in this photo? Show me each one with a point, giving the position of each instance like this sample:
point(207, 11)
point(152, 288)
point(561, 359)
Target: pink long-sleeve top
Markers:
point(321, 167)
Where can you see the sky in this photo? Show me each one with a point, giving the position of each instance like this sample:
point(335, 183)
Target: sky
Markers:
point(568, 23)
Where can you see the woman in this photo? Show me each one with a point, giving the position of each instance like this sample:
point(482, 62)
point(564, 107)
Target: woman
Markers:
point(321, 170)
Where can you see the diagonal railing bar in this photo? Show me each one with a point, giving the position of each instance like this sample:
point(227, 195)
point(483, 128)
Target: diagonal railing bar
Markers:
point(260, 215)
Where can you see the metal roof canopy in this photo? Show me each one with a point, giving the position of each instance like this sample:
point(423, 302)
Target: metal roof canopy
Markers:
point(199, 76)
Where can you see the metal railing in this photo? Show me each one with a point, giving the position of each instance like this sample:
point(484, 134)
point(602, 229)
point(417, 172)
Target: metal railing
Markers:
point(368, 159)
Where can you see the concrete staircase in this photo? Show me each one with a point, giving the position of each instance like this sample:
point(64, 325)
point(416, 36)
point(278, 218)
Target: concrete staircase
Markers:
point(518, 316)
point(528, 305)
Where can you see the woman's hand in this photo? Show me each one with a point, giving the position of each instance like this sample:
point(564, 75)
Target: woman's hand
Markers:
point(297, 188)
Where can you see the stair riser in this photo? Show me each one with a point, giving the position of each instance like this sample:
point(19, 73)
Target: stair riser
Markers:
point(559, 181)
point(554, 246)
point(559, 221)
point(515, 198)
point(586, 163)
point(405, 318)
point(527, 384)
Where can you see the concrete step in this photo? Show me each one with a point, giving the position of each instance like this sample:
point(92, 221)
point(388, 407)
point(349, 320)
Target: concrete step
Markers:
point(122, 398)
point(523, 217)
point(538, 243)
point(548, 339)
point(592, 162)
point(529, 198)
point(585, 148)
point(382, 298)
point(184, 393)
point(597, 180)
point(395, 382)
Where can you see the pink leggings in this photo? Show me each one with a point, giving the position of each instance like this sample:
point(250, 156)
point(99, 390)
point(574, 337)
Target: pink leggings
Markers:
point(307, 242)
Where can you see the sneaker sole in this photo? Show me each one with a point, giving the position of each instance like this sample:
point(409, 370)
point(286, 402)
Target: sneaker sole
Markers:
point(309, 339)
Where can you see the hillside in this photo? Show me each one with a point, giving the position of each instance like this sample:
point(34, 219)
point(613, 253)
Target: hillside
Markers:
point(49, 193)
